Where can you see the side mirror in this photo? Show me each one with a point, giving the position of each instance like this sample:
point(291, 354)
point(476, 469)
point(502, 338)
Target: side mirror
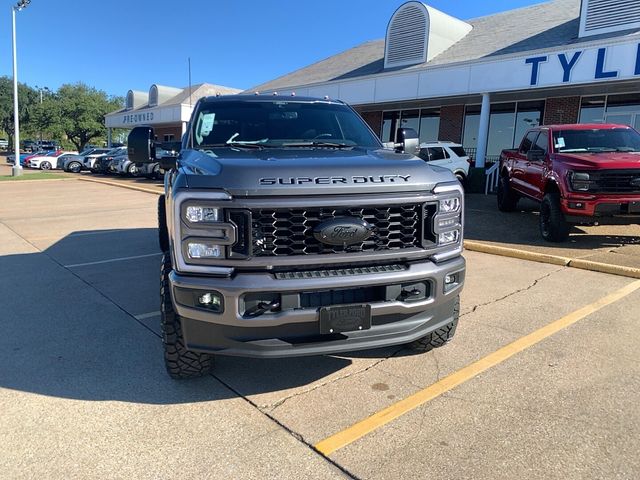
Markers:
point(141, 146)
point(535, 155)
point(168, 160)
point(408, 141)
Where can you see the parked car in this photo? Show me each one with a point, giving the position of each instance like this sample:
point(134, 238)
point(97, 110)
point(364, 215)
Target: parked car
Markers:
point(75, 163)
point(91, 161)
point(29, 156)
point(123, 166)
point(448, 155)
point(29, 146)
point(4, 143)
point(49, 162)
point(587, 173)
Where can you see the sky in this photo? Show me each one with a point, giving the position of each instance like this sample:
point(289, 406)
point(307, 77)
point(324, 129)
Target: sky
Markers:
point(117, 45)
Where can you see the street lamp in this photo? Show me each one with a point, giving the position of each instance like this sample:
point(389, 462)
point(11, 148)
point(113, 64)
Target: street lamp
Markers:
point(17, 168)
point(41, 89)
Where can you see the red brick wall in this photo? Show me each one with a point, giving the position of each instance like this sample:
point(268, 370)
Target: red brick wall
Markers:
point(451, 120)
point(561, 110)
point(374, 119)
point(160, 132)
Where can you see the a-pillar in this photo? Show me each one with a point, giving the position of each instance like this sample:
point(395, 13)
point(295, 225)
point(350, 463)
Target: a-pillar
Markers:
point(483, 131)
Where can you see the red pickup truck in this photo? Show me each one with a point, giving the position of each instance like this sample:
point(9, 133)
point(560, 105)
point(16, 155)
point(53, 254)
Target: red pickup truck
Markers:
point(587, 173)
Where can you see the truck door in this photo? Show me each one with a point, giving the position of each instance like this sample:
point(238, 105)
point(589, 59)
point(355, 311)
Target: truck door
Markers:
point(519, 161)
point(534, 168)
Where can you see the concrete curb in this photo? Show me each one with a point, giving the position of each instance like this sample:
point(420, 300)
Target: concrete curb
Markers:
point(620, 270)
point(123, 185)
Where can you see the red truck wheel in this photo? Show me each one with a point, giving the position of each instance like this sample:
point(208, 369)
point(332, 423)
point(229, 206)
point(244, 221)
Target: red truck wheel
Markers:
point(553, 226)
point(507, 198)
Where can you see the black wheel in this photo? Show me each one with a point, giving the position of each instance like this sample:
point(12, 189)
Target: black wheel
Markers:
point(180, 362)
point(45, 166)
point(163, 233)
point(507, 198)
point(74, 167)
point(553, 225)
point(438, 337)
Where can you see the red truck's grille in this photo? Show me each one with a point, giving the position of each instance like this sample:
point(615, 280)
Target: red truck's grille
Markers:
point(615, 181)
point(277, 232)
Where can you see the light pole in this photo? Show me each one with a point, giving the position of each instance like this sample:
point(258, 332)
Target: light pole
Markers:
point(17, 168)
point(40, 90)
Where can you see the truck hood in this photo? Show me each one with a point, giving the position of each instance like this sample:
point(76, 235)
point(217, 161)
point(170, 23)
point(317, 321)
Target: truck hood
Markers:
point(307, 171)
point(608, 160)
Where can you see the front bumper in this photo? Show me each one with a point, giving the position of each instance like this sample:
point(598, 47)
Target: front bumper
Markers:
point(296, 331)
point(624, 209)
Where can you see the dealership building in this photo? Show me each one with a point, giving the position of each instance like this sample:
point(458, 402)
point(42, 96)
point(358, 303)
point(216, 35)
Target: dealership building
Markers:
point(483, 82)
point(167, 109)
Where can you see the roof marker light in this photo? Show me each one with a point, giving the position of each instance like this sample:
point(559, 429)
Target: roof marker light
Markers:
point(256, 93)
point(275, 93)
point(293, 94)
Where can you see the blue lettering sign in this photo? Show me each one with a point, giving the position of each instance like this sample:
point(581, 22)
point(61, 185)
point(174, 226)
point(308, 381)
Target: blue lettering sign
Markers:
point(535, 62)
point(600, 73)
point(568, 65)
point(637, 71)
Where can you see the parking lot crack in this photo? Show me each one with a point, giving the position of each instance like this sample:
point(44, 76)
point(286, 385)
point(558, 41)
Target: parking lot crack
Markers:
point(515, 292)
point(271, 407)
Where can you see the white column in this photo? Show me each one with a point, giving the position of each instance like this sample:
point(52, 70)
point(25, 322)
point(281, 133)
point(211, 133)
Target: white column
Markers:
point(109, 140)
point(483, 130)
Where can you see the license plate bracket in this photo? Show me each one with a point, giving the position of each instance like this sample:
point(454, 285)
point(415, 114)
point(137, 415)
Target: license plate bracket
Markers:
point(345, 318)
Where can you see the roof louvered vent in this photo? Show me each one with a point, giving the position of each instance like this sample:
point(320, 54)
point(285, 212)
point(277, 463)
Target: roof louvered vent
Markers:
point(417, 33)
point(605, 16)
point(407, 36)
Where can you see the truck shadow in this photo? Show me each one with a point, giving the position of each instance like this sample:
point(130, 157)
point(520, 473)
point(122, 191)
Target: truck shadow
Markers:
point(69, 329)
point(484, 222)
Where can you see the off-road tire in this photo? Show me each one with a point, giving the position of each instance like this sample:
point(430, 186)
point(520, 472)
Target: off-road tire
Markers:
point(179, 361)
point(163, 233)
point(438, 337)
point(507, 198)
point(553, 225)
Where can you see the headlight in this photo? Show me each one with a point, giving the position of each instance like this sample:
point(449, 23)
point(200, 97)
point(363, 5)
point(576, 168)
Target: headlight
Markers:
point(580, 181)
point(200, 214)
point(449, 205)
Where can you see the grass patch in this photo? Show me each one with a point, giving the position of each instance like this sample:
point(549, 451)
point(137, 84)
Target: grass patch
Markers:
point(32, 176)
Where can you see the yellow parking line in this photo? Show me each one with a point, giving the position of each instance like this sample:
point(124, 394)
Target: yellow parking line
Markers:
point(377, 420)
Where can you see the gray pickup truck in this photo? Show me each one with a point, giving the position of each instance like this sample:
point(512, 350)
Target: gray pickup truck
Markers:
point(288, 229)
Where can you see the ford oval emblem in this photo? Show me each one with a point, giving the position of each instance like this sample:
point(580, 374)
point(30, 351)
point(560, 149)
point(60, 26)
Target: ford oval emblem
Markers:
point(343, 231)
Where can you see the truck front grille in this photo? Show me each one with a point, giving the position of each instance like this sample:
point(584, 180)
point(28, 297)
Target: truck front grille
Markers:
point(277, 232)
point(615, 181)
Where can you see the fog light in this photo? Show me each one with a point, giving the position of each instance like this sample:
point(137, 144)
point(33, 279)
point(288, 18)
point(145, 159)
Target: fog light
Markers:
point(576, 205)
point(447, 238)
point(451, 280)
point(204, 250)
point(210, 300)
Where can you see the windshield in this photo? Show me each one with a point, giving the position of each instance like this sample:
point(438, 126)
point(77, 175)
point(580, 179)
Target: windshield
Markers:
point(597, 140)
point(280, 124)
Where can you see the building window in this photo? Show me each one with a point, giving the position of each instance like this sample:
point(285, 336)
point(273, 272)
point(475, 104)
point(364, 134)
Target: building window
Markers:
point(389, 126)
point(592, 109)
point(170, 137)
point(410, 119)
point(508, 123)
point(623, 109)
point(429, 124)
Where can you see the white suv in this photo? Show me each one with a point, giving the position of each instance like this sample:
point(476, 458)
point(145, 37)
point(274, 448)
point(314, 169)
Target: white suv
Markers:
point(448, 155)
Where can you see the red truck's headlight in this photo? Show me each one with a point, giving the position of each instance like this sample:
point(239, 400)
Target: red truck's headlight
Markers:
point(579, 181)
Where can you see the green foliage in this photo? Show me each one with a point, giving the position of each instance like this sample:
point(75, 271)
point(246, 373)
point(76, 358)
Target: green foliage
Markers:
point(73, 115)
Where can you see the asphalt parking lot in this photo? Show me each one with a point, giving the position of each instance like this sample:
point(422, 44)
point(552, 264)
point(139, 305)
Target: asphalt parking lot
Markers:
point(541, 381)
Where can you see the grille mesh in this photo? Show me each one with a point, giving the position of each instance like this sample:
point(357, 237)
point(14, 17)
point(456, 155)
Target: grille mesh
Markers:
point(277, 232)
point(616, 181)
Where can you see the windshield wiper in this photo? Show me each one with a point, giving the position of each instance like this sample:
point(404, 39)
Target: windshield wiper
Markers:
point(626, 149)
point(317, 144)
point(601, 149)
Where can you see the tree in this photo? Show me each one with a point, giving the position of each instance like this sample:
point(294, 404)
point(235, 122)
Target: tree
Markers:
point(26, 101)
point(79, 111)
